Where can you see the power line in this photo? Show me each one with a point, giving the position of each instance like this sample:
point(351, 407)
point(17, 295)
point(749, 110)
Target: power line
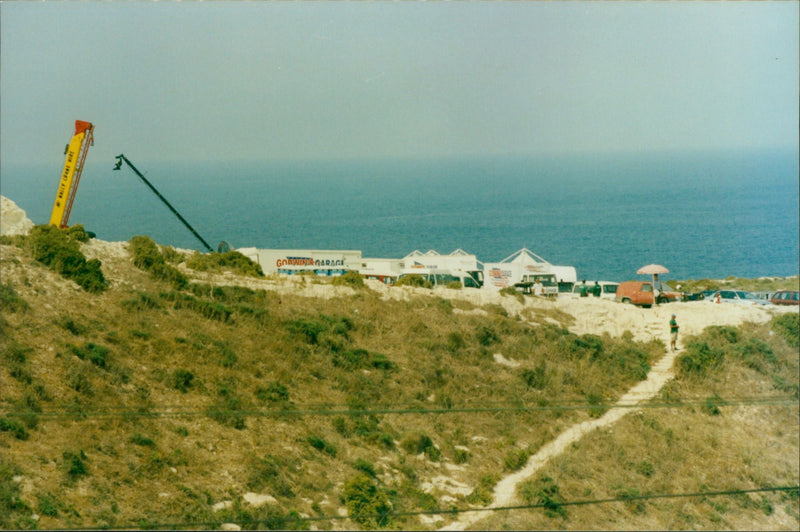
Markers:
point(450, 511)
point(344, 411)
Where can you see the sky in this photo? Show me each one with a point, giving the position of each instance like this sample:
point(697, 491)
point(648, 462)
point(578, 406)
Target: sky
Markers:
point(219, 81)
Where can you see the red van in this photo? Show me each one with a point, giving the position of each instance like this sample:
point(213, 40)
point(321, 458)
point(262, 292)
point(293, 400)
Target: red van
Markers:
point(636, 293)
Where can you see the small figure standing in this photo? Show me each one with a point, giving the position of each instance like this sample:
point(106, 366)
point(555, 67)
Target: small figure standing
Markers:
point(673, 333)
point(537, 287)
point(596, 289)
point(584, 289)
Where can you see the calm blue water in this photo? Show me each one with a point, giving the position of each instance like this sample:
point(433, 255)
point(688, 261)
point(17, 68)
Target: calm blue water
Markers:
point(700, 214)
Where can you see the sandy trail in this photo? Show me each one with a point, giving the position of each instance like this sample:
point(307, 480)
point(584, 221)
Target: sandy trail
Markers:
point(597, 317)
point(505, 490)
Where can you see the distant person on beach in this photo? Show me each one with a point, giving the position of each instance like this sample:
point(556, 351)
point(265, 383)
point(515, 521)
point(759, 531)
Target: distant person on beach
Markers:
point(596, 290)
point(673, 333)
point(537, 287)
point(584, 289)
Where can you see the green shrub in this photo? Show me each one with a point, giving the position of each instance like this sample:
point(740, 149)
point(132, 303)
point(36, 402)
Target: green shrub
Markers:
point(274, 392)
point(365, 467)
point(145, 252)
point(138, 439)
point(229, 408)
point(231, 261)
point(788, 327)
point(361, 358)
point(351, 278)
point(172, 255)
point(14, 513)
point(722, 334)
point(182, 380)
point(10, 301)
point(14, 357)
point(319, 443)
point(537, 377)
point(482, 494)
point(47, 505)
point(268, 472)
point(74, 464)
point(699, 359)
point(413, 280)
point(596, 400)
point(544, 491)
point(309, 329)
point(147, 257)
point(516, 459)
point(60, 251)
point(587, 345)
point(645, 469)
point(16, 428)
point(487, 335)
point(454, 285)
point(228, 358)
point(367, 504)
point(419, 443)
point(142, 301)
point(94, 353)
point(755, 354)
point(78, 379)
point(631, 360)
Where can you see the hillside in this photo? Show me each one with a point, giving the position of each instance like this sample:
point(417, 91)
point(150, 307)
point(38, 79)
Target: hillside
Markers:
point(181, 393)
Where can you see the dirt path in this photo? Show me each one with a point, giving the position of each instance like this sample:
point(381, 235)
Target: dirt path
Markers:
point(505, 490)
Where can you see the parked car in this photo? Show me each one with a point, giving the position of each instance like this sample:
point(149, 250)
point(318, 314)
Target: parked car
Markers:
point(608, 289)
point(636, 293)
point(785, 297)
point(736, 296)
point(667, 295)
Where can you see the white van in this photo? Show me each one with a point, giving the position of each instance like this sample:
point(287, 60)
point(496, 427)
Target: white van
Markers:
point(608, 289)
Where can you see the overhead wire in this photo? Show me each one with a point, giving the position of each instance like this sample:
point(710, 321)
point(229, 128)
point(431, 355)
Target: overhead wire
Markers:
point(338, 410)
point(550, 504)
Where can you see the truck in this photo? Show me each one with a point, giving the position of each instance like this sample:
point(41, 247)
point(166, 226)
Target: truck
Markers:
point(441, 270)
point(522, 268)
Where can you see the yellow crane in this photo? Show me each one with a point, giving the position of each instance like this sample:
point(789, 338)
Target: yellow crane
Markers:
point(75, 153)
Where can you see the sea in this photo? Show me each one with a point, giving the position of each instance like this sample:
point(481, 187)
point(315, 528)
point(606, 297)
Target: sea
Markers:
point(700, 214)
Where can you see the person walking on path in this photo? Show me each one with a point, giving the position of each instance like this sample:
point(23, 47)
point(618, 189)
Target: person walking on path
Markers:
point(673, 333)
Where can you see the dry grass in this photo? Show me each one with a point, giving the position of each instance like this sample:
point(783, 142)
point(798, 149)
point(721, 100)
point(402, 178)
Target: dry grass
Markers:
point(685, 450)
point(149, 404)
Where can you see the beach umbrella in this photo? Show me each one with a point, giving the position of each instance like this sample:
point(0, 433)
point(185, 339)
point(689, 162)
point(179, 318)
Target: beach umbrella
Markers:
point(654, 270)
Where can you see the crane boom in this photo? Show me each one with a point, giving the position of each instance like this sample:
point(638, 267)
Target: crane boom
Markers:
point(75, 153)
point(120, 158)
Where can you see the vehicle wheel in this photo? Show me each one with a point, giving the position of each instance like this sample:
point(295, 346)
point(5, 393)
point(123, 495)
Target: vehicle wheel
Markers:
point(661, 300)
point(626, 300)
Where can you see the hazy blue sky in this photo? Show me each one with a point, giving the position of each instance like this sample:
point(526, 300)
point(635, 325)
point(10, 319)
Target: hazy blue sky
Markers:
point(255, 80)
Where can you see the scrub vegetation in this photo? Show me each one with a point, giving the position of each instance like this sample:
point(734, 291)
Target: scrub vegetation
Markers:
point(163, 400)
point(706, 446)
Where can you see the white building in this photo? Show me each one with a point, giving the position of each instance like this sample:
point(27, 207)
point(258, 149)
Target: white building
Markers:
point(526, 266)
point(291, 261)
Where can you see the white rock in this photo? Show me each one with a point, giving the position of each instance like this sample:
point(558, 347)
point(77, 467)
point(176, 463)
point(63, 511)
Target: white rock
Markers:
point(258, 499)
point(13, 220)
point(223, 505)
